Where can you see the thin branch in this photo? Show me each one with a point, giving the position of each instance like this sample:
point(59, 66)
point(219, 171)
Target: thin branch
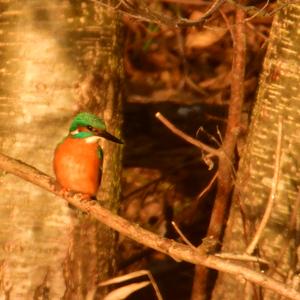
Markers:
point(140, 235)
point(180, 233)
point(225, 169)
point(242, 257)
point(210, 136)
point(155, 286)
point(193, 2)
point(260, 11)
point(227, 22)
point(136, 274)
point(267, 214)
point(141, 11)
point(199, 22)
point(186, 137)
point(208, 187)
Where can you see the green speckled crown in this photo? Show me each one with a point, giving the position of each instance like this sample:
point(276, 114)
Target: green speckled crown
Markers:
point(86, 119)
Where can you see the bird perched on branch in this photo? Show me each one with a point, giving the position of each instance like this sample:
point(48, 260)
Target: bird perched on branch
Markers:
point(78, 158)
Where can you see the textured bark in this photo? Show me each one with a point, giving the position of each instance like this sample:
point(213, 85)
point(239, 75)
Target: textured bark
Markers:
point(56, 58)
point(278, 97)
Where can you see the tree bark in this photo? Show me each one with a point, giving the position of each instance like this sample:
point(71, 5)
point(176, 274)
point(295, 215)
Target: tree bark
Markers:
point(277, 105)
point(56, 58)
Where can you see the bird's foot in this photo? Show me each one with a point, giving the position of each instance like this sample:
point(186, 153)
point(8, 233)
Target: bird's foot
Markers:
point(84, 197)
point(65, 191)
point(88, 198)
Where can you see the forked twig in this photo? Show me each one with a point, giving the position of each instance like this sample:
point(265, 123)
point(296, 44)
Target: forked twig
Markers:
point(186, 137)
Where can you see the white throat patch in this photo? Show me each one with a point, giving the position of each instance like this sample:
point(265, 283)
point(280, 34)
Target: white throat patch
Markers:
point(74, 132)
point(88, 140)
point(92, 139)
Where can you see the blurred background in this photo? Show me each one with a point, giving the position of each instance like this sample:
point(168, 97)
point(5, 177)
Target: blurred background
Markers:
point(184, 73)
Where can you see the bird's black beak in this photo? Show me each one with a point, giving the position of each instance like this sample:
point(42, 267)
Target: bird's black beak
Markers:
point(106, 135)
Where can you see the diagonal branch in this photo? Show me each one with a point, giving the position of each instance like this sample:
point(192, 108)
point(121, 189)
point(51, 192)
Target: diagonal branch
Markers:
point(212, 151)
point(135, 232)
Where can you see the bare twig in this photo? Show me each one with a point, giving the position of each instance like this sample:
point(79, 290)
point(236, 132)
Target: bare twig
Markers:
point(182, 235)
point(210, 136)
point(192, 2)
point(229, 26)
point(242, 257)
point(135, 232)
point(208, 187)
point(258, 12)
point(267, 214)
point(191, 84)
point(263, 36)
point(189, 139)
point(214, 7)
point(132, 275)
point(141, 11)
point(254, 11)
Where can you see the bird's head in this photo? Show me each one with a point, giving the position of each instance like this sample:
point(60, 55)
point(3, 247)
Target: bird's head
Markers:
point(87, 125)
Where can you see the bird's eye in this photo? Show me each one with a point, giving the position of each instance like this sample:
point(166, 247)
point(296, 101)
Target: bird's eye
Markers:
point(89, 127)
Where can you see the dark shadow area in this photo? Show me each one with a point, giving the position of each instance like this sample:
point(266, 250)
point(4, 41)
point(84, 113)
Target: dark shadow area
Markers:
point(155, 158)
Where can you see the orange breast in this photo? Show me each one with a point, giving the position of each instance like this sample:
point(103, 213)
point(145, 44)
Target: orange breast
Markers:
point(77, 165)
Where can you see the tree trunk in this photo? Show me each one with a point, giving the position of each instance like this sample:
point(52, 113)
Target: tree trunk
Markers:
point(278, 103)
point(57, 58)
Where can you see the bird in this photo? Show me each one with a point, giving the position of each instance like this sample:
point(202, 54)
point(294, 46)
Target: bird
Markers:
point(78, 158)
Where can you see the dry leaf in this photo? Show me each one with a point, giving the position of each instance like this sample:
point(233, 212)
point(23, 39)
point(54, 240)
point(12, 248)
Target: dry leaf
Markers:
point(205, 37)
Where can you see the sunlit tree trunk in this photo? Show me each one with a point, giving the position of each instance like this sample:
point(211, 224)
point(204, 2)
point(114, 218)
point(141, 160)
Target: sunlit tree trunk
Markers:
point(278, 102)
point(56, 58)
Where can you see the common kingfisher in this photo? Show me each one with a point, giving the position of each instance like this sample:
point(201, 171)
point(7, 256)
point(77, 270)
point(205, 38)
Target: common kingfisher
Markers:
point(78, 158)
